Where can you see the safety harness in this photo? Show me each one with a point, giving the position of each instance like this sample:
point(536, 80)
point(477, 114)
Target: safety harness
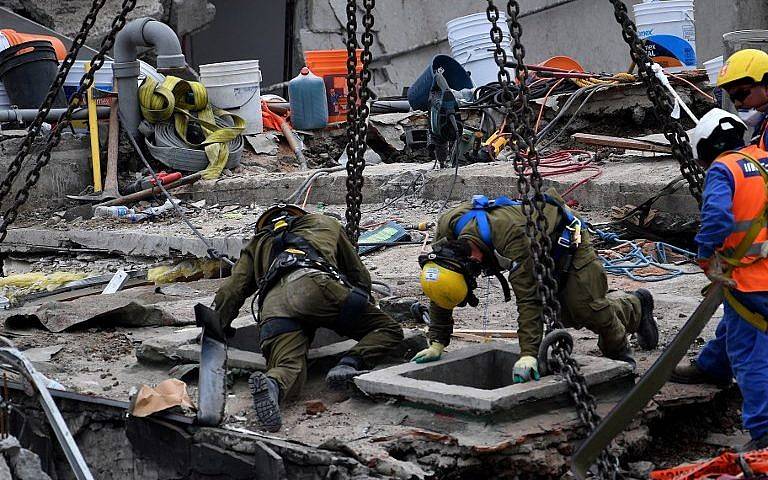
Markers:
point(291, 252)
point(747, 248)
point(567, 242)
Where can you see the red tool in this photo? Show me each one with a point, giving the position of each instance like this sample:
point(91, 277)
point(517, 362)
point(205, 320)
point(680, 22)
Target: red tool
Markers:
point(149, 182)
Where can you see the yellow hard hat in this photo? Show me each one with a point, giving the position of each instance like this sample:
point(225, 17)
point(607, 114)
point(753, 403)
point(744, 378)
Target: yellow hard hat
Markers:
point(279, 210)
point(444, 286)
point(745, 64)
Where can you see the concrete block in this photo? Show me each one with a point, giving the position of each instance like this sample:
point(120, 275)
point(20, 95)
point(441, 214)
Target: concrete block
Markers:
point(478, 379)
point(189, 16)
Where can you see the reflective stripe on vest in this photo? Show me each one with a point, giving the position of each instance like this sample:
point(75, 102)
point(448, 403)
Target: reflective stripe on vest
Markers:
point(749, 203)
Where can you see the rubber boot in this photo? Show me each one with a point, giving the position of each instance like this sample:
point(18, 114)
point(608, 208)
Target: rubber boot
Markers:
point(348, 368)
point(647, 331)
point(690, 374)
point(266, 394)
point(755, 444)
point(624, 355)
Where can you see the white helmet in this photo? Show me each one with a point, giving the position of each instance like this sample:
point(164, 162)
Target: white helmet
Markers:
point(717, 131)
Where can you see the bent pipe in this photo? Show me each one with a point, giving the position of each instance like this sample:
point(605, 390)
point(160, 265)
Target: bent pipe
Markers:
point(142, 32)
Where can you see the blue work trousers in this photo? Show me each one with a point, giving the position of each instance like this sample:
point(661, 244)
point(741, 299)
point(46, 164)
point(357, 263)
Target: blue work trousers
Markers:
point(740, 350)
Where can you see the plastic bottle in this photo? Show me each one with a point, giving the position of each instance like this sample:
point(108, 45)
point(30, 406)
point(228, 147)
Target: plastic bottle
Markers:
point(115, 212)
point(309, 105)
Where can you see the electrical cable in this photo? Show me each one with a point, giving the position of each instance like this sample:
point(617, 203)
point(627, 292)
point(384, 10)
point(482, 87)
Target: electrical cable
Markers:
point(209, 248)
point(401, 194)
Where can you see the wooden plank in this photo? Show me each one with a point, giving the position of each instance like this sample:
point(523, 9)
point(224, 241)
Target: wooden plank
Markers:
point(619, 142)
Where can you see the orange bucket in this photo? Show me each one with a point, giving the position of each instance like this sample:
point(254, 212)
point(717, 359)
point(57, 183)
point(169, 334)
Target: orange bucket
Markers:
point(563, 62)
point(15, 38)
point(331, 66)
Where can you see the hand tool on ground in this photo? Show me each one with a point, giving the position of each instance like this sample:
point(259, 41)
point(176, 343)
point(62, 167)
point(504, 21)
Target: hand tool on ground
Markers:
point(420, 313)
point(93, 130)
point(110, 190)
point(86, 211)
point(212, 385)
point(648, 385)
point(149, 182)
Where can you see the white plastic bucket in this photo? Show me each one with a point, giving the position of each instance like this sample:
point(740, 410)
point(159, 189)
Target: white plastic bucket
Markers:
point(713, 69)
point(102, 80)
point(474, 24)
point(669, 31)
point(236, 88)
point(482, 67)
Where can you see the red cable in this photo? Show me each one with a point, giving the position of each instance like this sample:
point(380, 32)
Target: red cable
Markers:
point(563, 162)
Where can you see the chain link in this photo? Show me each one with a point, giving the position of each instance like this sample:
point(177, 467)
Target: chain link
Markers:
point(14, 168)
point(529, 186)
point(358, 110)
point(55, 136)
point(662, 101)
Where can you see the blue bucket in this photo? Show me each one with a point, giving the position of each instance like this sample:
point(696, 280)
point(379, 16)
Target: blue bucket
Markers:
point(455, 75)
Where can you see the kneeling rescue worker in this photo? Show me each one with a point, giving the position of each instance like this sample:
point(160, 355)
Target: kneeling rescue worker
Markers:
point(488, 236)
point(306, 274)
point(733, 245)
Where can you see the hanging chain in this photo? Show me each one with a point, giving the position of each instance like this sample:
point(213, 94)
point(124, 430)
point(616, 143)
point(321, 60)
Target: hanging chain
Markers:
point(34, 130)
point(662, 102)
point(536, 226)
point(357, 111)
point(55, 136)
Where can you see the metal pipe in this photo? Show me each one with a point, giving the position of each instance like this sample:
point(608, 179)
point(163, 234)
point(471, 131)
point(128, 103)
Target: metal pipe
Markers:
point(28, 114)
point(142, 32)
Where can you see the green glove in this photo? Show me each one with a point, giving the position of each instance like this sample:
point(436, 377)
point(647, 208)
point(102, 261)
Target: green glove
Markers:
point(526, 368)
point(434, 352)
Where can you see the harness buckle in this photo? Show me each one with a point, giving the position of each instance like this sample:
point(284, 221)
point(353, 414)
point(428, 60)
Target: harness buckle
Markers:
point(575, 228)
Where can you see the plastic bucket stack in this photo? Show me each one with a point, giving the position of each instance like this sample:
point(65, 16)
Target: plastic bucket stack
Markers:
point(669, 32)
point(12, 37)
point(102, 80)
point(713, 69)
point(471, 45)
point(331, 65)
point(27, 71)
point(236, 88)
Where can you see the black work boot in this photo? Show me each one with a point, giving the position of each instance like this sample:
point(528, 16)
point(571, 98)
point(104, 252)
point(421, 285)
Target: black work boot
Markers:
point(624, 355)
point(755, 444)
point(690, 374)
point(348, 368)
point(266, 394)
point(647, 331)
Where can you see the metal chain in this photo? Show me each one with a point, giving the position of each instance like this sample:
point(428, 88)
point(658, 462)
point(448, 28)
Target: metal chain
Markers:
point(662, 102)
point(55, 136)
point(34, 129)
point(357, 111)
point(536, 226)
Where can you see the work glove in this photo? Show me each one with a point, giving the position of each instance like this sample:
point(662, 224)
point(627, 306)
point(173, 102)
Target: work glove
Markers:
point(713, 269)
point(434, 352)
point(526, 368)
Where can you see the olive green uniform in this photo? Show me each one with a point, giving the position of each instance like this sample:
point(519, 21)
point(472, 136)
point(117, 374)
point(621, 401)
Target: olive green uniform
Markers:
point(309, 296)
point(583, 298)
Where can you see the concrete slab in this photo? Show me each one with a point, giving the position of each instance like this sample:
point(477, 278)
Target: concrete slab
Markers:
point(478, 379)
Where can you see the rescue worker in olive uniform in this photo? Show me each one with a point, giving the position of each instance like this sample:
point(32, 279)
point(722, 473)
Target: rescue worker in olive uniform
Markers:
point(306, 274)
point(733, 246)
point(489, 236)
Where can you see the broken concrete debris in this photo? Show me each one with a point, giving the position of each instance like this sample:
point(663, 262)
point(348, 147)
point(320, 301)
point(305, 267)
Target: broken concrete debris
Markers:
point(461, 416)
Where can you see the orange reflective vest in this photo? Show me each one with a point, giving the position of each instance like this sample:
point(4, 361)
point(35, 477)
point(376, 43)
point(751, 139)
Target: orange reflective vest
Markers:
point(750, 199)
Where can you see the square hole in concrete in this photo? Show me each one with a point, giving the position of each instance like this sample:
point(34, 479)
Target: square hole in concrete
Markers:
point(486, 371)
point(479, 380)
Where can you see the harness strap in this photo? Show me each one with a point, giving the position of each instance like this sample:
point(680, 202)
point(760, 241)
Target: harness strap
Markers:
point(753, 318)
point(277, 326)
